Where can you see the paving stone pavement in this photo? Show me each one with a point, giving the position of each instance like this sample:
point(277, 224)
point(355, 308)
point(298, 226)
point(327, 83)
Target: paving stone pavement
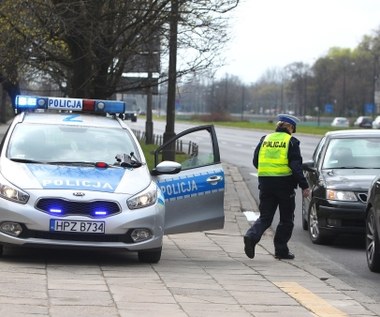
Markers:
point(200, 274)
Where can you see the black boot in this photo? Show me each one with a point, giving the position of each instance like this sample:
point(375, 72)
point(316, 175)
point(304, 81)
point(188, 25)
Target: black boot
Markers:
point(249, 247)
point(286, 256)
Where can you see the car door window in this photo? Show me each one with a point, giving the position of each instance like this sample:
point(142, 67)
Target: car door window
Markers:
point(191, 150)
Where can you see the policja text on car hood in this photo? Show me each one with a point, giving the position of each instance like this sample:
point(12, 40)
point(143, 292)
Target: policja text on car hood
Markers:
point(43, 176)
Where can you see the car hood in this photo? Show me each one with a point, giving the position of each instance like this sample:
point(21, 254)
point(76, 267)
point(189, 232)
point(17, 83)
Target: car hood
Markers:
point(45, 176)
point(350, 179)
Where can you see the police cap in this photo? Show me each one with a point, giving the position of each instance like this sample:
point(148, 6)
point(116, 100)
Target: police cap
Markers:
point(289, 119)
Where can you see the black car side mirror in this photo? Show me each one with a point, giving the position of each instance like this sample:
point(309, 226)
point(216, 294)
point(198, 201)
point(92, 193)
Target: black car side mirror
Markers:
point(309, 166)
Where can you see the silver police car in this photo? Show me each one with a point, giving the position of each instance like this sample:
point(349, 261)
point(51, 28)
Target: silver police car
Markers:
point(71, 176)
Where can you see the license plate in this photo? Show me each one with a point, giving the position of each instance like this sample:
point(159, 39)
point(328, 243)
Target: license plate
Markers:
point(79, 226)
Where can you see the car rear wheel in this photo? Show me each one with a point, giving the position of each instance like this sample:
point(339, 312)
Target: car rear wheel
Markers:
point(150, 256)
point(316, 235)
point(372, 243)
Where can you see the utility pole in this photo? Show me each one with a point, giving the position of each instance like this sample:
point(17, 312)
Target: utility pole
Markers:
point(149, 98)
point(169, 154)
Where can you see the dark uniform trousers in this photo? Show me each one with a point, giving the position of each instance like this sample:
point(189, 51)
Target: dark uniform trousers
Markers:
point(270, 199)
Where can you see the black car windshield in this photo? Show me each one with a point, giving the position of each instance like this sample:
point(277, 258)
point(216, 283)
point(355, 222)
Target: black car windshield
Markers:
point(352, 153)
point(54, 143)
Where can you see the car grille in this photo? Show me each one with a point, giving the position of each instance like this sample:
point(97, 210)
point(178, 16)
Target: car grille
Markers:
point(362, 197)
point(67, 207)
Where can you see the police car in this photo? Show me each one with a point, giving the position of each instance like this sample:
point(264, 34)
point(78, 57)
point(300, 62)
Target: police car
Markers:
point(72, 176)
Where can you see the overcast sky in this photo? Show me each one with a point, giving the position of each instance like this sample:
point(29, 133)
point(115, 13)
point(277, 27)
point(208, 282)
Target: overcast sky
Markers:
point(270, 34)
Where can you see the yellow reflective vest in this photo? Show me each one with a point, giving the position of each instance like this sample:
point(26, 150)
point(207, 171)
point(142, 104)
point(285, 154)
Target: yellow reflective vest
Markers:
point(273, 155)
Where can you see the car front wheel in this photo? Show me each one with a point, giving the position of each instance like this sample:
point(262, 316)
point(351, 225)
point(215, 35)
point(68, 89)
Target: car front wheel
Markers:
point(315, 233)
point(150, 256)
point(372, 242)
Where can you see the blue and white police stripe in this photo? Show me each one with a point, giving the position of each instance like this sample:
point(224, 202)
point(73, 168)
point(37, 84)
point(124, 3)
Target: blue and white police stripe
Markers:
point(177, 188)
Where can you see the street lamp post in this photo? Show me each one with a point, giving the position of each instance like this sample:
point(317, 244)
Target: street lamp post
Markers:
point(242, 102)
point(344, 88)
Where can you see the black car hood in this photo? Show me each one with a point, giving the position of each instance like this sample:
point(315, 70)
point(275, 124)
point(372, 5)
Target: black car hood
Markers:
point(350, 179)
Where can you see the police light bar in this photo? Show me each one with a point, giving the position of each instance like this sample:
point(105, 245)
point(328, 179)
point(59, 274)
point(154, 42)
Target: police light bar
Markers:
point(30, 103)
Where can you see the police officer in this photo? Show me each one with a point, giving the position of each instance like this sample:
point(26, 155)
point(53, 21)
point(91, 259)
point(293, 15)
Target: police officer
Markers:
point(278, 160)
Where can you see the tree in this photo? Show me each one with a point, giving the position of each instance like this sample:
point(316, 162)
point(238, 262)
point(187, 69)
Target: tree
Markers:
point(299, 74)
point(190, 21)
point(88, 45)
point(84, 47)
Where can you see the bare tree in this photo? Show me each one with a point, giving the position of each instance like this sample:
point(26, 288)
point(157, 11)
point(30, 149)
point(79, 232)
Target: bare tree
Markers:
point(88, 45)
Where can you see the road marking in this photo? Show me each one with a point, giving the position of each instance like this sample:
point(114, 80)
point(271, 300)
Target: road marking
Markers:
point(309, 300)
point(253, 174)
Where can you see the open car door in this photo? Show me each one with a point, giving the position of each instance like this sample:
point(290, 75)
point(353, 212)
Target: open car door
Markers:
point(194, 197)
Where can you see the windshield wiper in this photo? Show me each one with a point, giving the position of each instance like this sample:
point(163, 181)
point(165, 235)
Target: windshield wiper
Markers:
point(73, 163)
point(349, 167)
point(26, 161)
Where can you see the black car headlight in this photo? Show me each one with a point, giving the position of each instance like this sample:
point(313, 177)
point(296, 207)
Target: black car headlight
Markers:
point(145, 198)
point(11, 192)
point(340, 195)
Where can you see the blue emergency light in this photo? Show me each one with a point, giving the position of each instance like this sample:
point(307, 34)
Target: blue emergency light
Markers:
point(30, 103)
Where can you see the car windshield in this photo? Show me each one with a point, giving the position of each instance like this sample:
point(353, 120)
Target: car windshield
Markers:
point(353, 153)
point(55, 143)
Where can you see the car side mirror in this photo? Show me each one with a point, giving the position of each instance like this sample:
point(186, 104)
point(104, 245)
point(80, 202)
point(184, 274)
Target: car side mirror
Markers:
point(309, 166)
point(166, 167)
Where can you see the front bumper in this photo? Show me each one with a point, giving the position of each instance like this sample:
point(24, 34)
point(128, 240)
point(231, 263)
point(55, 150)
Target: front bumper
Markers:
point(118, 228)
point(341, 217)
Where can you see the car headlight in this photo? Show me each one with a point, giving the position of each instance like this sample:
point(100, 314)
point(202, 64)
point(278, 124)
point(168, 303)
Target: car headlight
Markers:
point(11, 192)
point(145, 198)
point(340, 195)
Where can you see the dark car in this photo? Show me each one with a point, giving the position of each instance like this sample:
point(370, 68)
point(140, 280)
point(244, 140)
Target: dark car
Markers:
point(340, 173)
point(372, 240)
point(363, 122)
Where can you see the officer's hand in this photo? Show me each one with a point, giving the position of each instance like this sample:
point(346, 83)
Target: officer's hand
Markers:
point(306, 192)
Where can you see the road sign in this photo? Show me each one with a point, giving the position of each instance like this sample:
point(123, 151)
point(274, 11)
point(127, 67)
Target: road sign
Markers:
point(329, 108)
point(368, 108)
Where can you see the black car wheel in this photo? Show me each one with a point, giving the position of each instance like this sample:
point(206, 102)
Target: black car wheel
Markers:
point(315, 233)
point(372, 242)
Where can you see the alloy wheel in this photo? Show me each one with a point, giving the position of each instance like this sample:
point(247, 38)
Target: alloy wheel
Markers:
point(372, 243)
point(313, 224)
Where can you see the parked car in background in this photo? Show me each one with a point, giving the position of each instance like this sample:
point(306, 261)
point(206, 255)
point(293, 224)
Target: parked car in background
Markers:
point(372, 240)
point(340, 173)
point(376, 123)
point(340, 122)
point(363, 122)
